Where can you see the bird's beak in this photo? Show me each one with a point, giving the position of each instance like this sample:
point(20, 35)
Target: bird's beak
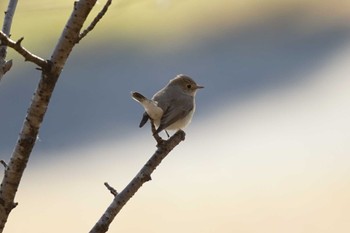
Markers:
point(200, 87)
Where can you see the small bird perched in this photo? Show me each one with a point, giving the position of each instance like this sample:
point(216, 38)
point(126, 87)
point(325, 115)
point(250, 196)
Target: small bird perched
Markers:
point(172, 107)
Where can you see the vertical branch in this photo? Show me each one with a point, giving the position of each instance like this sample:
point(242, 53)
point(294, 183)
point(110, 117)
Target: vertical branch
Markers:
point(9, 13)
point(6, 28)
point(36, 112)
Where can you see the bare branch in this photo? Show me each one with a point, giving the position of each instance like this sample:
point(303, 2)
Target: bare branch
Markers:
point(28, 56)
point(143, 176)
point(6, 28)
point(39, 104)
point(95, 21)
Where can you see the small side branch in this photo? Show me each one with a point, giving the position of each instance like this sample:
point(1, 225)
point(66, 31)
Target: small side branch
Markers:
point(28, 56)
point(95, 21)
point(111, 189)
point(142, 177)
point(4, 164)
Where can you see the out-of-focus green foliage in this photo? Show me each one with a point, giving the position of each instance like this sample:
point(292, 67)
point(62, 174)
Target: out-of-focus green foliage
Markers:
point(41, 21)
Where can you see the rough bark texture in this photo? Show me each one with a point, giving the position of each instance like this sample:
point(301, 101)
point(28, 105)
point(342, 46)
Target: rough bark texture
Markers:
point(143, 176)
point(36, 112)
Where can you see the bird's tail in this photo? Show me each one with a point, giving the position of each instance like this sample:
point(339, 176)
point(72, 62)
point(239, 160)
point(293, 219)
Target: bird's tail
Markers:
point(138, 97)
point(141, 99)
point(152, 111)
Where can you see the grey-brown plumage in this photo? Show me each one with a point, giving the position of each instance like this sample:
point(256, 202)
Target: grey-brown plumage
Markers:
point(173, 106)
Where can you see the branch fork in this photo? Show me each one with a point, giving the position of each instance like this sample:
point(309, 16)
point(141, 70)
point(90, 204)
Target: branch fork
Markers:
point(17, 46)
point(51, 70)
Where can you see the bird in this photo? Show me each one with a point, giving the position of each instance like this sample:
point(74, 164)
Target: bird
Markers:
point(172, 107)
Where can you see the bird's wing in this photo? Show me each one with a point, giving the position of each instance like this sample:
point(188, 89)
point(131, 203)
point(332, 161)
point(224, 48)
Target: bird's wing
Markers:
point(176, 110)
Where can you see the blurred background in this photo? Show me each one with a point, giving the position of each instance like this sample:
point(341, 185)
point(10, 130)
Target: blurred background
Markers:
point(268, 148)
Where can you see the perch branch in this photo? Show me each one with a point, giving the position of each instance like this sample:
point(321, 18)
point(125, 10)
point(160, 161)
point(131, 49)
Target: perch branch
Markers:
point(28, 56)
point(142, 176)
point(95, 21)
point(6, 28)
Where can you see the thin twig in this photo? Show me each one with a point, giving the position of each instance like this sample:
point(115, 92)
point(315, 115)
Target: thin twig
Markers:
point(111, 189)
point(143, 176)
point(3, 163)
point(95, 21)
point(28, 56)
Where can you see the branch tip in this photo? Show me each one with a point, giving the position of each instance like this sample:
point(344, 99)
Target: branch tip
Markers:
point(18, 42)
point(95, 21)
point(182, 134)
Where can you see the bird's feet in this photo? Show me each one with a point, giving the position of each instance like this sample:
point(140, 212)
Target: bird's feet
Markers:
point(156, 135)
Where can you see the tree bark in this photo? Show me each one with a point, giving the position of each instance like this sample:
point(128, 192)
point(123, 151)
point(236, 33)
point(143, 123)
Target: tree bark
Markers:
point(50, 72)
point(36, 112)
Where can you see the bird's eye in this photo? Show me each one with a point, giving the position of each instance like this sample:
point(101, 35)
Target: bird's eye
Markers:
point(189, 86)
